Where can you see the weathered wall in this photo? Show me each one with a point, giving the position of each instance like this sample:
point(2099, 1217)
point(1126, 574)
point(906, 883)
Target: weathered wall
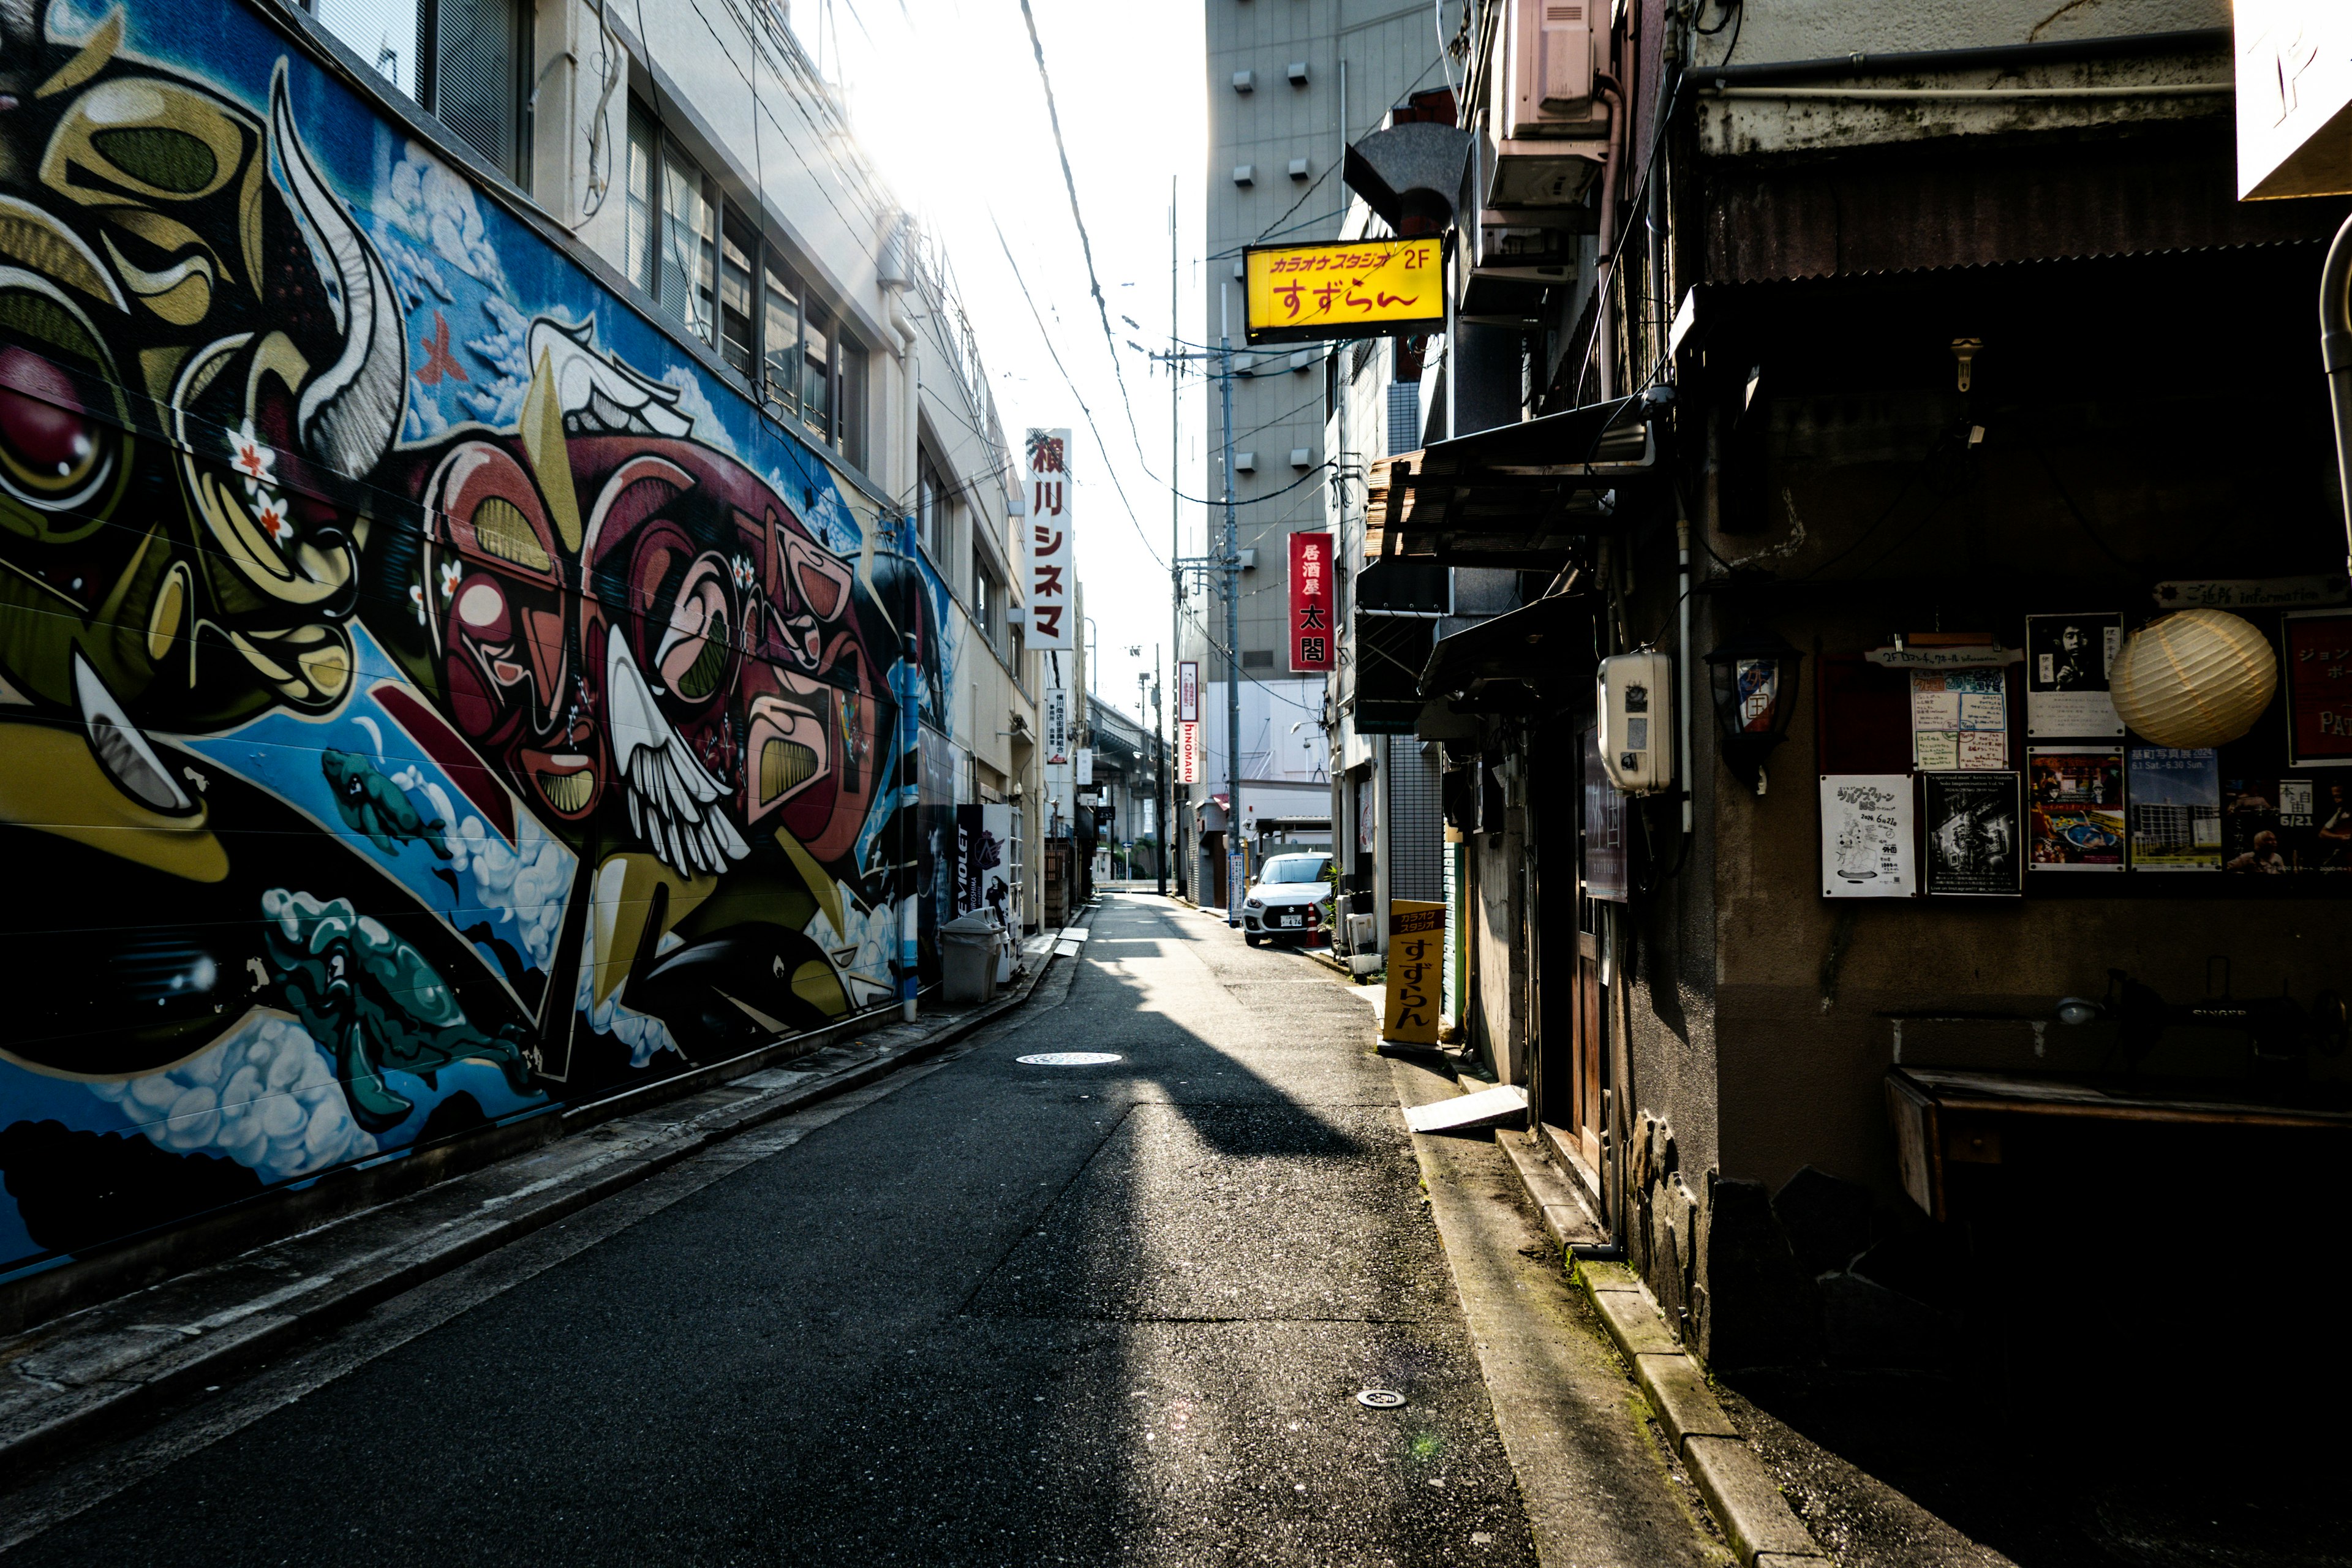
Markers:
point(426, 693)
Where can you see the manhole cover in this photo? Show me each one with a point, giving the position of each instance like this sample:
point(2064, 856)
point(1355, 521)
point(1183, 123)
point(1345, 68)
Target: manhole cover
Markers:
point(1068, 1059)
point(1381, 1399)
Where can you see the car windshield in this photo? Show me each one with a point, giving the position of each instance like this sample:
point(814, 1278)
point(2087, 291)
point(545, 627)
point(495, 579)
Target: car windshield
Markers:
point(1293, 868)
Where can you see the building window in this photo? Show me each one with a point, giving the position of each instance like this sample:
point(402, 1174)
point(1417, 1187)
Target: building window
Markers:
point(477, 77)
point(782, 305)
point(816, 373)
point(688, 259)
point(1404, 417)
point(1257, 658)
point(931, 505)
point(645, 156)
point(850, 416)
point(737, 329)
point(988, 602)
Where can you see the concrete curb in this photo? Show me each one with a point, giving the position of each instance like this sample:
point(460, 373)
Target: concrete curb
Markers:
point(77, 1378)
point(1757, 1519)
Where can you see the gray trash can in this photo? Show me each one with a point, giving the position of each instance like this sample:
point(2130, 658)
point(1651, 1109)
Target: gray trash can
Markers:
point(968, 947)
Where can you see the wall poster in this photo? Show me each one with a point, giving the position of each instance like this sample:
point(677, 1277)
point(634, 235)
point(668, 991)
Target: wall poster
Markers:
point(1974, 833)
point(2076, 794)
point(1867, 823)
point(2318, 679)
point(1960, 720)
point(2066, 662)
point(2176, 808)
point(1604, 828)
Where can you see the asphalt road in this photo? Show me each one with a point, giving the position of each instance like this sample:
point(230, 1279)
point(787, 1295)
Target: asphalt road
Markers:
point(1002, 1314)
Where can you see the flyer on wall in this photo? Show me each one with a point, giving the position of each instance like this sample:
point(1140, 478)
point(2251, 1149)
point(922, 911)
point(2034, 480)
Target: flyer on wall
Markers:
point(2067, 658)
point(1866, 830)
point(2077, 802)
point(2318, 679)
point(2176, 808)
point(1974, 833)
point(1960, 720)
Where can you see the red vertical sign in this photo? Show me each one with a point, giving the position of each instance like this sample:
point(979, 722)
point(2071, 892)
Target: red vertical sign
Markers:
point(1310, 603)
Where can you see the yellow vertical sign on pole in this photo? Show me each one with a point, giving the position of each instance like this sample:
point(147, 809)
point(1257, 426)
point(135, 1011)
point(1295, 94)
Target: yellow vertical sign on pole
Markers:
point(1416, 959)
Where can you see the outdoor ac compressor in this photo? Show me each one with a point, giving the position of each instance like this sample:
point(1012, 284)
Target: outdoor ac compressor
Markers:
point(1637, 721)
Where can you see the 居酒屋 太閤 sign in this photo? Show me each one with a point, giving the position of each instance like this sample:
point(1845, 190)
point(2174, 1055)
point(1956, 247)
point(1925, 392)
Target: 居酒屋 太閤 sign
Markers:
point(1347, 289)
point(1310, 603)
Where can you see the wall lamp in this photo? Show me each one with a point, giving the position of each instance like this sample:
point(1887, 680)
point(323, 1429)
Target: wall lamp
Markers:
point(1755, 680)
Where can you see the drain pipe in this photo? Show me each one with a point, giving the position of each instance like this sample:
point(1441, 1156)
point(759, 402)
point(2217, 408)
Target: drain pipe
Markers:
point(2336, 354)
point(895, 289)
point(1605, 246)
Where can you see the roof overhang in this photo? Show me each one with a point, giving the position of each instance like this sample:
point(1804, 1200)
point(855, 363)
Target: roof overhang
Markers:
point(1516, 662)
point(1518, 495)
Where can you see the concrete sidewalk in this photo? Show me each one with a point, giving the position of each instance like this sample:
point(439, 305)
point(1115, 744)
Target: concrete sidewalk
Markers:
point(102, 1369)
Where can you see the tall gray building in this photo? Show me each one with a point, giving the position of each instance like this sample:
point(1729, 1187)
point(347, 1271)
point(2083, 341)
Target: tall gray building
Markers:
point(1291, 83)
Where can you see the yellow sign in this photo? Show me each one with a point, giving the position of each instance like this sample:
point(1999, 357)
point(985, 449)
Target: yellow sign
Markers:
point(1347, 289)
point(1416, 968)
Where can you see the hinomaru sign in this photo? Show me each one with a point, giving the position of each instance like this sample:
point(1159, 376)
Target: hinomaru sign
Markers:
point(2295, 98)
point(1347, 289)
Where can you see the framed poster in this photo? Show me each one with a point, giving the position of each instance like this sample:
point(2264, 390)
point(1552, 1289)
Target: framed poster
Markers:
point(2176, 808)
point(2075, 797)
point(2318, 679)
point(1960, 720)
point(1867, 823)
point(2066, 662)
point(1973, 835)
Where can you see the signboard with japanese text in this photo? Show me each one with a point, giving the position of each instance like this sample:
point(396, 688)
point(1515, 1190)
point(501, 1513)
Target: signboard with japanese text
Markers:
point(2318, 679)
point(1058, 725)
point(1085, 766)
point(1052, 580)
point(1188, 751)
point(1416, 954)
point(1346, 289)
point(2294, 98)
point(1188, 692)
point(1310, 603)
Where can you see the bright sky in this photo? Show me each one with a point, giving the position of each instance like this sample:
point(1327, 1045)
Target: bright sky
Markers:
point(946, 98)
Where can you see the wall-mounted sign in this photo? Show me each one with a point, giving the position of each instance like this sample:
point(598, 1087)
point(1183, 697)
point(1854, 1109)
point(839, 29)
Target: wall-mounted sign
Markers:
point(2295, 98)
point(1188, 692)
point(1058, 725)
point(2319, 688)
point(1188, 751)
point(1053, 579)
point(1346, 289)
point(1310, 603)
point(2251, 593)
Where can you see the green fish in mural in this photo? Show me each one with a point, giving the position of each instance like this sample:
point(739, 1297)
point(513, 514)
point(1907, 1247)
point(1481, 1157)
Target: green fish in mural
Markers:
point(377, 807)
point(372, 1000)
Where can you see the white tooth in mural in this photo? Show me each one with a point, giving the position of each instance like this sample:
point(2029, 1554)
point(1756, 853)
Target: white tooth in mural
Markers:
point(673, 802)
point(122, 750)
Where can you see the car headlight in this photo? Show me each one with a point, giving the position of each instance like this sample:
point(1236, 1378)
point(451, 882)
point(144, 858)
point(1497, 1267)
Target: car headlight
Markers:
point(1254, 904)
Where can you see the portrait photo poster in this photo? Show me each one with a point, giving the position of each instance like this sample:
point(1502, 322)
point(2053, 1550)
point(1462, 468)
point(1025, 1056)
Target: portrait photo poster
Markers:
point(2074, 800)
point(1974, 834)
point(2067, 658)
point(2176, 808)
point(1867, 823)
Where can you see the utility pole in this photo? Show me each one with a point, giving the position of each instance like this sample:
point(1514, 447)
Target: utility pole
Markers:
point(1162, 787)
point(1232, 565)
point(1168, 838)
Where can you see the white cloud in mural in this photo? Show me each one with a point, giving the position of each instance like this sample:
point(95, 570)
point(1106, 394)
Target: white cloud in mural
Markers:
point(646, 1037)
point(525, 885)
point(413, 274)
point(427, 200)
point(709, 428)
point(423, 420)
point(873, 935)
point(265, 1096)
point(499, 401)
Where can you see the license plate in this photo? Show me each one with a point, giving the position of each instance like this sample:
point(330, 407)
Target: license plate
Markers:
point(1290, 919)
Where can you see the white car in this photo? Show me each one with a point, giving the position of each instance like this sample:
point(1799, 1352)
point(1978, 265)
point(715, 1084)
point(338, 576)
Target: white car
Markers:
point(1286, 900)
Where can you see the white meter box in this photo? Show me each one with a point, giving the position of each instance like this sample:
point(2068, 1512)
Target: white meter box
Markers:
point(1636, 705)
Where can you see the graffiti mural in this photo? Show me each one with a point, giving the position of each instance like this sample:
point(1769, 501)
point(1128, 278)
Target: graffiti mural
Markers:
point(425, 693)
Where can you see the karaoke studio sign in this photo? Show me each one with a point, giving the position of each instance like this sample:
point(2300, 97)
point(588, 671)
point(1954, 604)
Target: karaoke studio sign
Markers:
point(1052, 580)
point(1310, 603)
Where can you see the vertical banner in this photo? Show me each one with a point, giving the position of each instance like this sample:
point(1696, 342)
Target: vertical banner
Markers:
point(1188, 692)
point(1085, 766)
point(1058, 725)
point(1416, 954)
point(1051, 576)
point(1188, 751)
point(1310, 603)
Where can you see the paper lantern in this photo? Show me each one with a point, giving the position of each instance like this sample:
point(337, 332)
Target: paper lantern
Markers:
point(2198, 678)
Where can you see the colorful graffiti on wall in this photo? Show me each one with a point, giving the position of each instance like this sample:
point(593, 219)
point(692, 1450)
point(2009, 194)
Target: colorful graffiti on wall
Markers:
point(425, 694)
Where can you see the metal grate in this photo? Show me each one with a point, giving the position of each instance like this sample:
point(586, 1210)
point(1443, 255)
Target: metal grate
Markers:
point(1404, 417)
point(1416, 822)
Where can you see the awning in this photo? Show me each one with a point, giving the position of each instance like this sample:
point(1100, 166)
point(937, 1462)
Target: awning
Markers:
point(1389, 653)
point(1535, 654)
point(1518, 495)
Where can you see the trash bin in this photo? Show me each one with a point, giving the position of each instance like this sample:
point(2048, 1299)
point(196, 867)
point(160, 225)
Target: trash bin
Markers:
point(968, 948)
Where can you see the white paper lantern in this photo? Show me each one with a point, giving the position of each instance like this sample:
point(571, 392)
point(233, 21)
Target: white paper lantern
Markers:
point(2198, 678)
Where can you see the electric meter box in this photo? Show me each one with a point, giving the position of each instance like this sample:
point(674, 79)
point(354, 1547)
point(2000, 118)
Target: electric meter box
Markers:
point(1636, 704)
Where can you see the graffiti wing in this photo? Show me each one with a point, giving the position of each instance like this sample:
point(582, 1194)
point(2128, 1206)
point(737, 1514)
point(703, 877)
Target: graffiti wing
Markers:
point(674, 805)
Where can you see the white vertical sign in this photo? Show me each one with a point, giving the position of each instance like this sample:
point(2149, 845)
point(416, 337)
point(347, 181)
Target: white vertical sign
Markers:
point(1188, 692)
point(1051, 577)
point(1058, 725)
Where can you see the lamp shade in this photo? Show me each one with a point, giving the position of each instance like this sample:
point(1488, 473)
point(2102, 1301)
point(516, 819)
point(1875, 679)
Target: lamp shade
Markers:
point(2198, 678)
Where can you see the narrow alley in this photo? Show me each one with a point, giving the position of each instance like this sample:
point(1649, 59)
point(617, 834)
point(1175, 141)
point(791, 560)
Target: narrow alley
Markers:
point(997, 1313)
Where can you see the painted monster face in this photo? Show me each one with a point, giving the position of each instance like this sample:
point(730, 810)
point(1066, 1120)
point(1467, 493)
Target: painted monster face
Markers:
point(520, 645)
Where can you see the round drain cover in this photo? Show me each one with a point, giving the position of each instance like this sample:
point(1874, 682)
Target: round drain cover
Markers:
point(1381, 1399)
point(1068, 1059)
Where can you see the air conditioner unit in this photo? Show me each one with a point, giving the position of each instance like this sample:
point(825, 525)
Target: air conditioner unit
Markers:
point(1552, 65)
point(1547, 97)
